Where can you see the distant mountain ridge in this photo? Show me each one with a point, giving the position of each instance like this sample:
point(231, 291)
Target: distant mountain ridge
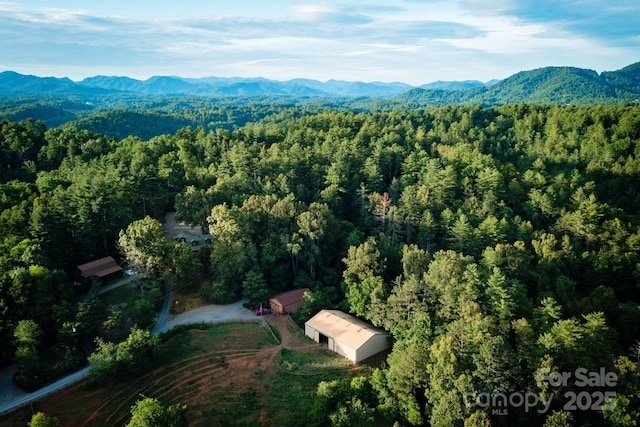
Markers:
point(560, 85)
point(15, 84)
point(548, 85)
point(236, 86)
point(453, 85)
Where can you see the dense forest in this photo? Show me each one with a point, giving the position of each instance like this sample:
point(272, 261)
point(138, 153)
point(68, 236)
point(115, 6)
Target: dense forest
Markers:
point(164, 104)
point(494, 244)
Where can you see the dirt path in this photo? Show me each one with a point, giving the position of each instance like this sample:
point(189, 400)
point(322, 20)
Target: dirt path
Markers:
point(288, 332)
point(234, 368)
point(11, 398)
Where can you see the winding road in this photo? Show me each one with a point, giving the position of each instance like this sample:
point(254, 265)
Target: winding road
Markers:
point(12, 398)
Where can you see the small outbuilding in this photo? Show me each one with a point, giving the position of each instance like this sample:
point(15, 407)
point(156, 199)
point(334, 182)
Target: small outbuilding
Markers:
point(287, 302)
point(100, 268)
point(349, 336)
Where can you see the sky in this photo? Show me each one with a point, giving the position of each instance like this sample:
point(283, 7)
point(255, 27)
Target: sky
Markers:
point(410, 41)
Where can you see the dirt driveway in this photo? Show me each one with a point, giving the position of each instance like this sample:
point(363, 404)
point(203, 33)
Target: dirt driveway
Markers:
point(290, 334)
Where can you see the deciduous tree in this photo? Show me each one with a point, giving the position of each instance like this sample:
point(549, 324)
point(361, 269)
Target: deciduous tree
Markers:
point(143, 245)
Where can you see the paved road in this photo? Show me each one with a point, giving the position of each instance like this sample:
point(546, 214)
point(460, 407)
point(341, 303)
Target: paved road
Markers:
point(11, 396)
point(161, 321)
point(117, 284)
point(206, 314)
point(27, 398)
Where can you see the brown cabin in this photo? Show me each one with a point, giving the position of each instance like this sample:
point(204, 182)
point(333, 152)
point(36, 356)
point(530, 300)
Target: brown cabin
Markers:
point(100, 268)
point(287, 302)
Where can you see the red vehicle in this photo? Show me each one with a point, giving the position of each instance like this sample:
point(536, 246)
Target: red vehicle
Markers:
point(262, 311)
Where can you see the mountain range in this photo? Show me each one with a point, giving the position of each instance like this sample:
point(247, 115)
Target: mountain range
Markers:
point(15, 84)
point(544, 85)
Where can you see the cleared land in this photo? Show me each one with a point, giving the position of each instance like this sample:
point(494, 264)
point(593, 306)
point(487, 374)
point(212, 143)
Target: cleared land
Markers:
point(230, 374)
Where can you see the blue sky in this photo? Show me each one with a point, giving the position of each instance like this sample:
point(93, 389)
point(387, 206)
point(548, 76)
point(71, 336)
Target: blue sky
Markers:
point(411, 41)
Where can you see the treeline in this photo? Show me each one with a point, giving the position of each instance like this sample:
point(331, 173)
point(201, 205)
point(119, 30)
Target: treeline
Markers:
point(492, 243)
point(146, 117)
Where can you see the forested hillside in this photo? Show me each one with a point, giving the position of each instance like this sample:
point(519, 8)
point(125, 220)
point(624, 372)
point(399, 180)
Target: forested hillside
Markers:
point(145, 118)
point(548, 85)
point(193, 102)
point(492, 243)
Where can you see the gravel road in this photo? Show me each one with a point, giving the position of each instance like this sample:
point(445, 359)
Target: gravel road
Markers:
point(212, 314)
point(13, 398)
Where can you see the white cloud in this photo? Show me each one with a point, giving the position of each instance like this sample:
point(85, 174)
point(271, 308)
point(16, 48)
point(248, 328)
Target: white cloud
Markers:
point(504, 36)
point(311, 12)
point(412, 41)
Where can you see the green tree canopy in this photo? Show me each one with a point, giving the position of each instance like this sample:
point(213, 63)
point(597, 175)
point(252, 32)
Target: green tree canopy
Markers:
point(143, 245)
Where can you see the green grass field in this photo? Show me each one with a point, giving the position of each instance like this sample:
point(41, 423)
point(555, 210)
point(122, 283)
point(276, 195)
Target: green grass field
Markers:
point(126, 294)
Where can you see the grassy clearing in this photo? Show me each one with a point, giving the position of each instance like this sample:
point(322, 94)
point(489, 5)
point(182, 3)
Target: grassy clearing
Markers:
point(298, 332)
point(290, 397)
point(306, 361)
point(185, 300)
point(228, 374)
point(125, 294)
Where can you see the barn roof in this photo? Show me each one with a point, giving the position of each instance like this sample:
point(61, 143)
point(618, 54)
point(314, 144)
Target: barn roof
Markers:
point(99, 268)
point(289, 298)
point(343, 328)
